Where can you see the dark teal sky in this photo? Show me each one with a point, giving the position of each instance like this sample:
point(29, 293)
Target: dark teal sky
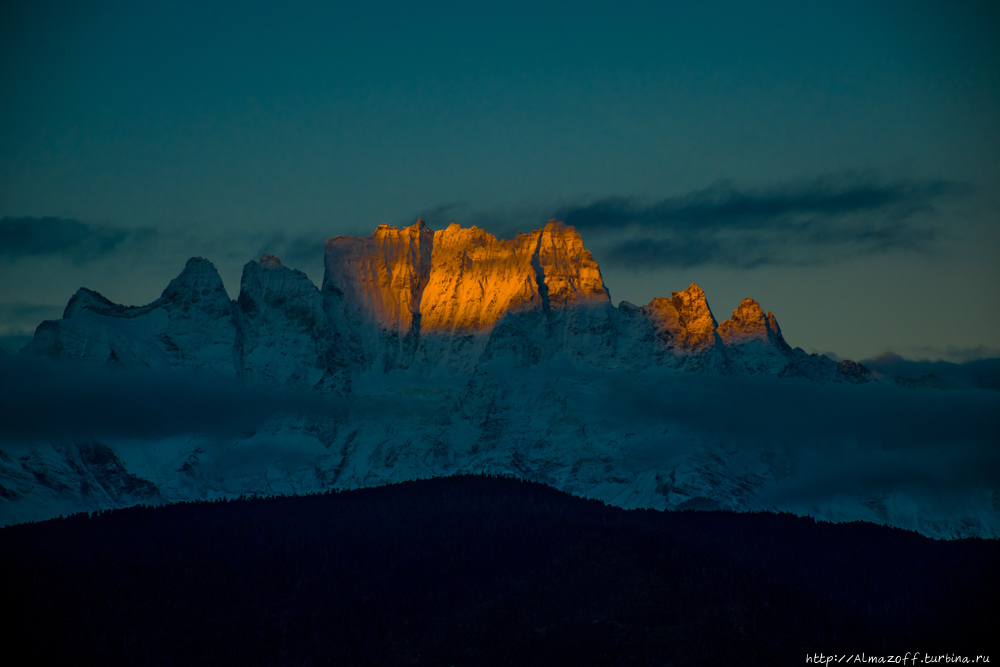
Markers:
point(839, 162)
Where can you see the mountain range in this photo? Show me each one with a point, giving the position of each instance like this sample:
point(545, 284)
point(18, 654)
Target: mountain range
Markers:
point(428, 353)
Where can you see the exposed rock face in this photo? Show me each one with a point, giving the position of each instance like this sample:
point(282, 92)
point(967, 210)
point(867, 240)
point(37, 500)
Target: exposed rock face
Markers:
point(476, 278)
point(438, 297)
point(753, 341)
point(384, 275)
point(568, 271)
point(104, 475)
point(461, 280)
point(269, 261)
point(684, 322)
point(772, 322)
point(748, 323)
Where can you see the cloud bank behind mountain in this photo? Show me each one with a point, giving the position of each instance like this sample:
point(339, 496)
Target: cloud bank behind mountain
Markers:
point(822, 221)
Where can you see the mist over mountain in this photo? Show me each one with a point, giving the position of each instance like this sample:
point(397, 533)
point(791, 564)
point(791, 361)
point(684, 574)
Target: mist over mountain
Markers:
point(428, 353)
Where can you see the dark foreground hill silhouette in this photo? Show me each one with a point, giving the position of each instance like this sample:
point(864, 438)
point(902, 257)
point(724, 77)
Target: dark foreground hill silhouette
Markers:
point(477, 570)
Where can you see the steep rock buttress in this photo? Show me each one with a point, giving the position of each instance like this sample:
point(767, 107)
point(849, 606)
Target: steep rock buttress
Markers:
point(459, 279)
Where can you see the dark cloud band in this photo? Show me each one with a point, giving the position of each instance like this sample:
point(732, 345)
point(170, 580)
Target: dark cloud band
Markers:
point(725, 206)
point(42, 399)
point(812, 223)
point(63, 237)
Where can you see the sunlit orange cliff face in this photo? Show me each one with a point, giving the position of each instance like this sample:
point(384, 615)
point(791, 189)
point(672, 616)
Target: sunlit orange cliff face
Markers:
point(459, 279)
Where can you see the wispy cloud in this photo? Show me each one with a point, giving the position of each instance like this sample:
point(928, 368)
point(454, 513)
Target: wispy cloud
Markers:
point(795, 224)
point(64, 237)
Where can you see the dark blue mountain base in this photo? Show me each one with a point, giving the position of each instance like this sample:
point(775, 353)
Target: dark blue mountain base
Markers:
point(475, 570)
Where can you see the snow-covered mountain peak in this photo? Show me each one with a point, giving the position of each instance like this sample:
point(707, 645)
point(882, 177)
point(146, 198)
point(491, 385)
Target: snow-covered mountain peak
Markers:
point(269, 275)
point(191, 327)
point(198, 277)
point(285, 335)
point(90, 300)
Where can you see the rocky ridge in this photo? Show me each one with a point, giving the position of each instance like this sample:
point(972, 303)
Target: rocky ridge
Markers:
point(413, 297)
point(443, 352)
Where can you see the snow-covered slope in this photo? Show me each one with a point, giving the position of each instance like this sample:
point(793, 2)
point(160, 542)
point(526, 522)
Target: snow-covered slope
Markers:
point(193, 326)
point(433, 353)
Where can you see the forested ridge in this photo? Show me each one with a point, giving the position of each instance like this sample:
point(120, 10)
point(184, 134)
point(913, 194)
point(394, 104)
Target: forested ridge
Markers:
point(477, 570)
